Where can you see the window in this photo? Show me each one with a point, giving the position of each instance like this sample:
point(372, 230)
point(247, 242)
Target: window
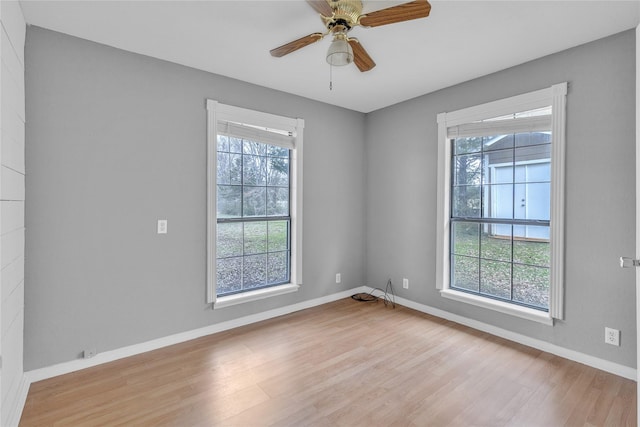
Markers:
point(254, 204)
point(501, 197)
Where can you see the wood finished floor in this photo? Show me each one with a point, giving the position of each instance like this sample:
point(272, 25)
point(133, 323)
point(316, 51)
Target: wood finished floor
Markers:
point(345, 363)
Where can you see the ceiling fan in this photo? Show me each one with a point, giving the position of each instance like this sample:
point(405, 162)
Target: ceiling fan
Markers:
point(340, 16)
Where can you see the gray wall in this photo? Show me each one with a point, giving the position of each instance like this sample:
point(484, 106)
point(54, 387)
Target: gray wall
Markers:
point(116, 141)
point(401, 162)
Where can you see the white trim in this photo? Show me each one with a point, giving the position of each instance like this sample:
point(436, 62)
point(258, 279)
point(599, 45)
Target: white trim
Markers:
point(231, 113)
point(502, 307)
point(443, 201)
point(501, 107)
point(132, 350)
point(258, 294)
point(212, 131)
point(218, 113)
point(637, 216)
point(556, 226)
point(296, 185)
point(17, 406)
point(576, 356)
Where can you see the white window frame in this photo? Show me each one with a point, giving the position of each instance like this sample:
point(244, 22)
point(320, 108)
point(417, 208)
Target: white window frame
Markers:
point(454, 123)
point(216, 113)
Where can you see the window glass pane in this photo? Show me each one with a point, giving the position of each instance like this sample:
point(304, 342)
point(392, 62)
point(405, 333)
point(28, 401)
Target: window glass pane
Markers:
point(531, 246)
point(532, 157)
point(466, 201)
point(254, 201)
point(229, 240)
point(229, 201)
point(498, 201)
point(465, 272)
point(467, 169)
point(255, 148)
point(235, 169)
point(497, 142)
point(496, 242)
point(532, 138)
point(532, 201)
point(467, 145)
point(538, 172)
point(223, 168)
point(229, 170)
point(223, 143)
point(278, 239)
point(255, 237)
point(273, 150)
point(254, 170)
point(235, 145)
point(465, 239)
point(278, 171)
point(533, 172)
point(498, 166)
point(531, 285)
point(277, 201)
point(495, 278)
point(254, 271)
point(277, 267)
point(228, 275)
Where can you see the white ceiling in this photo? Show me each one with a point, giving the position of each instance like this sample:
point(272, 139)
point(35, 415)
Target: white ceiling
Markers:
point(459, 41)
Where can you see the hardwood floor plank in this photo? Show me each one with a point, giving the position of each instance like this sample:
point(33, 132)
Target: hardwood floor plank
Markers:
point(345, 363)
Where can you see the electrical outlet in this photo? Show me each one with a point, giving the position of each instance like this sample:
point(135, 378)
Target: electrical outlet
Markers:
point(405, 283)
point(162, 226)
point(612, 336)
point(89, 353)
point(338, 278)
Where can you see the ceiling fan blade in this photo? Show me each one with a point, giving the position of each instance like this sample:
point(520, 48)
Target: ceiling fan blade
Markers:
point(321, 6)
point(360, 56)
point(403, 12)
point(286, 49)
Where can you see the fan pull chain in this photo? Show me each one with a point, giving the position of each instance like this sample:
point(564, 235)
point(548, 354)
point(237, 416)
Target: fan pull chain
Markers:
point(330, 76)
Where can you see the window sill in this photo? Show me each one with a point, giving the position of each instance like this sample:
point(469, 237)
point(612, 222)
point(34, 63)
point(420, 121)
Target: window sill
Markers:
point(258, 294)
point(502, 307)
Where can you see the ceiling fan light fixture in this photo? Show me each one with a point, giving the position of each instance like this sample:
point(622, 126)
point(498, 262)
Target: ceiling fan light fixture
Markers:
point(340, 52)
point(340, 16)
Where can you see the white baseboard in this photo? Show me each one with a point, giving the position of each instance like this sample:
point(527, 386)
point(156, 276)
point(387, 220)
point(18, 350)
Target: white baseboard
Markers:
point(120, 353)
point(576, 356)
point(15, 411)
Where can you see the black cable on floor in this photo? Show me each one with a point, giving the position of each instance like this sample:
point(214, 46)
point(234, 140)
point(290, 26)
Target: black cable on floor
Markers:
point(387, 296)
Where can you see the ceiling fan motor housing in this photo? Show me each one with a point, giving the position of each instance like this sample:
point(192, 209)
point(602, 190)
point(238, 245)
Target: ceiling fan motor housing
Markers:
point(345, 13)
